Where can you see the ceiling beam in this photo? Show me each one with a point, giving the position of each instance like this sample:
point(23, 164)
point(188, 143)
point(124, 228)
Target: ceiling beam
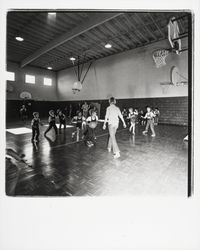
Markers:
point(145, 26)
point(157, 26)
point(92, 22)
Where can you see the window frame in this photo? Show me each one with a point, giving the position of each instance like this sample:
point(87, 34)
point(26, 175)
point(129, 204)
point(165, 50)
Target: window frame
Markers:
point(29, 82)
point(7, 76)
point(46, 84)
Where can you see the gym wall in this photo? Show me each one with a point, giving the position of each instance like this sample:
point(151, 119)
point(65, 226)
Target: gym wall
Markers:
point(134, 80)
point(131, 74)
point(38, 90)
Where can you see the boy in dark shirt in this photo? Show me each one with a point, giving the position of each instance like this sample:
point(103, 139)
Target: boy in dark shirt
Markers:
point(23, 113)
point(80, 121)
point(35, 126)
point(62, 120)
point(52, 123)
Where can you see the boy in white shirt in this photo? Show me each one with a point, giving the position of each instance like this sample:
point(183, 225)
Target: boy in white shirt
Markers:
point(150, 122)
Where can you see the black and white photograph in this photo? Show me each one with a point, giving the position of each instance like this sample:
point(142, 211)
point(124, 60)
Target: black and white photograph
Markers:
point(98, 103)
point(100, 125)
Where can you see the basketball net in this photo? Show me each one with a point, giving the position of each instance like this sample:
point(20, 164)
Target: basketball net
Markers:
point(159, 57)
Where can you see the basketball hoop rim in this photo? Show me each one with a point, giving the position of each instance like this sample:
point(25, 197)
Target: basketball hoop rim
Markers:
point(159, 55)
point(168, 50)
point(166, 83)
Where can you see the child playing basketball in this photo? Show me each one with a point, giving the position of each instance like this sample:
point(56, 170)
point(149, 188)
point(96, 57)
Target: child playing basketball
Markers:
point(23, 113)
point(85, 107)
point(35, 126)
point(157, 114)
point(62, 120)
point(141, 119)
point(125, 115)
point(150, 121)
point(52, 123)
point(89, 134)
point(80, 120)
point(132, 116)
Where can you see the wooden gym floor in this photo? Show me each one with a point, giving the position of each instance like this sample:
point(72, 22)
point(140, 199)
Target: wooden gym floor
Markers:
point(64, 167)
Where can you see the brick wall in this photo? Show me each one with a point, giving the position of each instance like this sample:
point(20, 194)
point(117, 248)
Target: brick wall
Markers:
point(174, 110)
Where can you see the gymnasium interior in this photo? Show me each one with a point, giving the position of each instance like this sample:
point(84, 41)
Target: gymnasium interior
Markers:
point(111, 54)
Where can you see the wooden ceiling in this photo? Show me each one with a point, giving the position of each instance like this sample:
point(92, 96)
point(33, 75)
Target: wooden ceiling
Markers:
point(50, 40)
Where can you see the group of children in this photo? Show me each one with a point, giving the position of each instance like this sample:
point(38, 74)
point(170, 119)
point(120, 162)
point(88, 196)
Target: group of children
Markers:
point(87, 124)
point(148, 118)
point(83, 123)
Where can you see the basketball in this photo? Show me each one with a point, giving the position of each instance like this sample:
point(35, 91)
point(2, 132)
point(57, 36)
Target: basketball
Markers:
point(92, 124)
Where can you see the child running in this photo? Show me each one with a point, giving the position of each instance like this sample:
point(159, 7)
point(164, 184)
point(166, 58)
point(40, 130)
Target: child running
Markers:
point(35, 126)
point(150, 121)
point(132, 116)
point(62, 120)
point(80, 121)
point(89, 134)
point(52, 123)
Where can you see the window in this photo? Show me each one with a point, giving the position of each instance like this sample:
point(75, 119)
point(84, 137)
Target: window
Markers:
point(47, 81)
point(10, 76)
point(30, 79)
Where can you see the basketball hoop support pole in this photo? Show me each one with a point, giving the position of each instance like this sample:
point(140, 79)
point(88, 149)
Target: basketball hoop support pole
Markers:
point(180, 36)
point(86, 72)
point(178, 18)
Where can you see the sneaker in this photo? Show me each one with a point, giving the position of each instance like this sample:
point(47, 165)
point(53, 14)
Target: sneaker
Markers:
point(88, 143)
point(117, 155)
point(144, 132)
point(153, 135)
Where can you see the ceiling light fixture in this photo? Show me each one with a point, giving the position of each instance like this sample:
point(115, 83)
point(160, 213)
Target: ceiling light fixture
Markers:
point(72, 58)
point(108, 45)
point(51, 13)
point(19, 38)
point(50, 68)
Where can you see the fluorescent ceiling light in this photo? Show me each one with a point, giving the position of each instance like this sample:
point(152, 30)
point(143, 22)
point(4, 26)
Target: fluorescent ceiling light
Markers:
point(51, 13)
point(19, 38)
point(108, 46)
point(49, 68)
point(72, 58)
